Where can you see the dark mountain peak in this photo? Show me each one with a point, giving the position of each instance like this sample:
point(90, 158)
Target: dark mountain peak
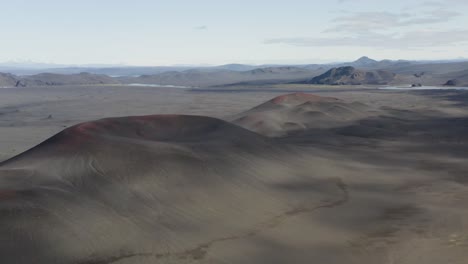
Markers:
point(364, 60)
point(349, 75)
point(342, 70)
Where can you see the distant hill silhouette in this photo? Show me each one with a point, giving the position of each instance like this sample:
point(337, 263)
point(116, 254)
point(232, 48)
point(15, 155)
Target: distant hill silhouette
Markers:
point(7, 80)
point(53, 79)
point(361, 71)
point(202, 78)
point(351, 76)
point(364, 61)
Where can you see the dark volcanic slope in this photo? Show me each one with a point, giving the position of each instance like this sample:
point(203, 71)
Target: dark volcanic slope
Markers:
point(352, 76)
point(299, 112)
point(342, 182)
point(146, 189)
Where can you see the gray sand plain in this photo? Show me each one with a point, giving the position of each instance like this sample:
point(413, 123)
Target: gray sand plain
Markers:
point(375, 177)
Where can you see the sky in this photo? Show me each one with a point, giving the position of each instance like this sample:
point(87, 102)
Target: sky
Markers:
point(213, 32)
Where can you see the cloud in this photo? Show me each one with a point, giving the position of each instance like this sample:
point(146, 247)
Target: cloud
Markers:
point(444, 3)
point(382, 29)
point(201, 27)
point(366, 21)
point(414, 39)
point(438, 3)
point(433, 3)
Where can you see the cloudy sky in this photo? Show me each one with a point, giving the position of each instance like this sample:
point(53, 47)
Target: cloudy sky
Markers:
point(156, 32)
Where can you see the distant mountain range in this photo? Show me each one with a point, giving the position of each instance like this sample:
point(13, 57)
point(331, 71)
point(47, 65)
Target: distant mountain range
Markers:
point(221, 76)
point(362, 71)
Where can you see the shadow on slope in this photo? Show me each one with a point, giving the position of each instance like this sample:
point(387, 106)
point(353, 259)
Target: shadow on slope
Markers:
point(293, 113)
point(156, 187)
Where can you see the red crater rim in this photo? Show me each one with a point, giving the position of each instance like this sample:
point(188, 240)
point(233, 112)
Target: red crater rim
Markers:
point(301, 98)
point(128, 122)
point(149, 127)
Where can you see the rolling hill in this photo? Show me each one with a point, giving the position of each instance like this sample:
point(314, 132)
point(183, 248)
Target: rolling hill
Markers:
point(146, 188)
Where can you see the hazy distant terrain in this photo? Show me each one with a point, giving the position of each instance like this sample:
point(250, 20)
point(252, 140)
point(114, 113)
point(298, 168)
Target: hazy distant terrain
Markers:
point(200, 78)
point(247, 164)
point(363, 71)
point(53, 79)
